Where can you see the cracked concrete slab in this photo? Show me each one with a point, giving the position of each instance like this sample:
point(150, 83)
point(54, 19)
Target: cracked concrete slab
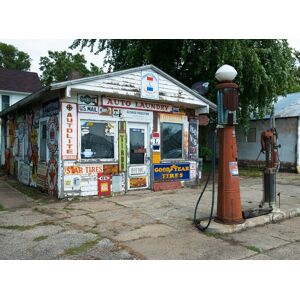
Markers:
point(255, 238)
point(290, 251)
point(23, 217)
point(152, 230)
point(192, 245)
point(21, 245)
point(82, 220)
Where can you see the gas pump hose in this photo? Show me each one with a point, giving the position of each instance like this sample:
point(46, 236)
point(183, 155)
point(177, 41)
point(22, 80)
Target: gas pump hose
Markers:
point(196, 221)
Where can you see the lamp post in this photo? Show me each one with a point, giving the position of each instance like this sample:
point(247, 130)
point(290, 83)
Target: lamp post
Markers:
point(229, 209)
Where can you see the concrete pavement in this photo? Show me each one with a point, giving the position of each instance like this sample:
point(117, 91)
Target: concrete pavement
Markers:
point(145, 225)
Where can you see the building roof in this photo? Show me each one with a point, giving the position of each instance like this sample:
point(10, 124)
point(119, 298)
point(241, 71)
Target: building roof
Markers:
point(69, 83)
point(19, 81)
point(137, 69)
point(288, 106)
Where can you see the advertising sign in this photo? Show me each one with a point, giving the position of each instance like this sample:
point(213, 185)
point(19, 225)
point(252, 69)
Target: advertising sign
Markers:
point(122, 146)
point(233, 168)
point(193, 139)
point(138, 182)
point(90, 100)
point(149, 85)
point(69, 131)
point(135, 104)
point(137, 170)
point(83, 169)
point(103, 185)
point(177, 171)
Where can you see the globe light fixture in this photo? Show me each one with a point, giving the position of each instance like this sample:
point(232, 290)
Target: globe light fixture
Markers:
point(226, 73)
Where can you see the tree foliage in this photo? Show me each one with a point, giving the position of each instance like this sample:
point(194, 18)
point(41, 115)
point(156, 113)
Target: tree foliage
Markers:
point(12, 58)
point(266, 68)
point(57, 66)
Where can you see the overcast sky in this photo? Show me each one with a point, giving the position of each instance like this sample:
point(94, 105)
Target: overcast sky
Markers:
point(37, 48)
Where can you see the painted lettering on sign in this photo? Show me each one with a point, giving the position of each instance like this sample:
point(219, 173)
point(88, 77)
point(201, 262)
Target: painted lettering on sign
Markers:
point(122, 146)
point(137, 170)
point(83, 169)
point(69, 134)
point(178, 171)
point(88, 109)
point(136, 104)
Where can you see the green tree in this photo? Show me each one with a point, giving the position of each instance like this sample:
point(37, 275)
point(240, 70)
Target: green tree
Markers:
point(57, 66)
point(266, 68)
point(12, 58)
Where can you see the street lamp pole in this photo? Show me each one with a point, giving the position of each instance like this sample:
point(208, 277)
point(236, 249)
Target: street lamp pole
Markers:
point(229, 209)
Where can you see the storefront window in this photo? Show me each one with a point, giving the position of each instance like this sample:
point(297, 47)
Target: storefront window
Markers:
point(171, 140)
point(97, 140)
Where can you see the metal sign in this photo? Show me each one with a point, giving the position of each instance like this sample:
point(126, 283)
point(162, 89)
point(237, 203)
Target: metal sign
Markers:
point(103, 185)
point(122, 147)
point(69, 131)
point(193, 139)
point(149, 85)
point(136, 104)
point(137, 170)
point(177, 171)
point(83, 169)
point(91, 100)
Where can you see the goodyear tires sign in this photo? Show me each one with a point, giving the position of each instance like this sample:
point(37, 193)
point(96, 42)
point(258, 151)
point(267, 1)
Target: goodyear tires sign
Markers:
point(176, 171)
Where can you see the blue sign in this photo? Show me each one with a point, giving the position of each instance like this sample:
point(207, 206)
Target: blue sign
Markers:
point(171, 171)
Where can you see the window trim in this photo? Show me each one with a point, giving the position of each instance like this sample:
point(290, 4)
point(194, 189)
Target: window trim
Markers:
point(182, 143)
point(2, 101)
point(97, 160)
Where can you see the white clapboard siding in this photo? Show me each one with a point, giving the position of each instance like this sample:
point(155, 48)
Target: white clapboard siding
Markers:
point(129, 85)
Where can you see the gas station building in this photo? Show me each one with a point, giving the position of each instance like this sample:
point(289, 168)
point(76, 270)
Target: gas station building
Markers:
point(106, 134)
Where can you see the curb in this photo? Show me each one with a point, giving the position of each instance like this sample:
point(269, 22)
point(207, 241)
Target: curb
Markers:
point(217, 228)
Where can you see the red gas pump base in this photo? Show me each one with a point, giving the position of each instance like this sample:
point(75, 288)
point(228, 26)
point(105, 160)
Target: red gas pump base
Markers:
point(229, 210)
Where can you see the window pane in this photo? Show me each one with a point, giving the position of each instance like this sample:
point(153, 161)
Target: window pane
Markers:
point(251, 138)
point(171, 140)
point(97, 140)
point(137, 146)
point(5, 102)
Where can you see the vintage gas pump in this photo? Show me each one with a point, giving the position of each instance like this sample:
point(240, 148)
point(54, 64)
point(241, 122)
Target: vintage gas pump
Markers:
point(269, 147)
point(229, 209)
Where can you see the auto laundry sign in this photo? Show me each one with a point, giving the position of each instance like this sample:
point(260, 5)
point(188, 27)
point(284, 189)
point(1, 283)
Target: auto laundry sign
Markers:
point(178, 171)
point(136, 104)
point(69, 130)
point(149, 85)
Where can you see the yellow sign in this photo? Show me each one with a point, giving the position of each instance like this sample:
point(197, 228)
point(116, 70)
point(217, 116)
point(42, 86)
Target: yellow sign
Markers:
point(156, 157)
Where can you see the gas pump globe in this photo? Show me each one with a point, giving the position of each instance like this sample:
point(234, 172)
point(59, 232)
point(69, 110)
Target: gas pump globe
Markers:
point(229, 209)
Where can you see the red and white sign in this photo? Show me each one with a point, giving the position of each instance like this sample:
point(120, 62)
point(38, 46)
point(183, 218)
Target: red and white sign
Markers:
point(136, 104)
point(69, 131)
point(103, 185)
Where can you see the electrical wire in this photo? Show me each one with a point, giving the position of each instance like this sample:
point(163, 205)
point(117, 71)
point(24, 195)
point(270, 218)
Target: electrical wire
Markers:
point(196, 222)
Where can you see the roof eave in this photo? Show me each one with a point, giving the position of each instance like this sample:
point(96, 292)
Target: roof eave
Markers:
point(25, 100)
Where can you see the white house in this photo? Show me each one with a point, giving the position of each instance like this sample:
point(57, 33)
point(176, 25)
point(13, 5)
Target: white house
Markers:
point(14, 86)
point(287, 115)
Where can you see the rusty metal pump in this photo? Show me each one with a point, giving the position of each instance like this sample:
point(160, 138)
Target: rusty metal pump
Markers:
point(269, 147)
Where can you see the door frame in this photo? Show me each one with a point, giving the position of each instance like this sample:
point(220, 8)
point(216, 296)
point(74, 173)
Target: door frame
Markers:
point(146, 127)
